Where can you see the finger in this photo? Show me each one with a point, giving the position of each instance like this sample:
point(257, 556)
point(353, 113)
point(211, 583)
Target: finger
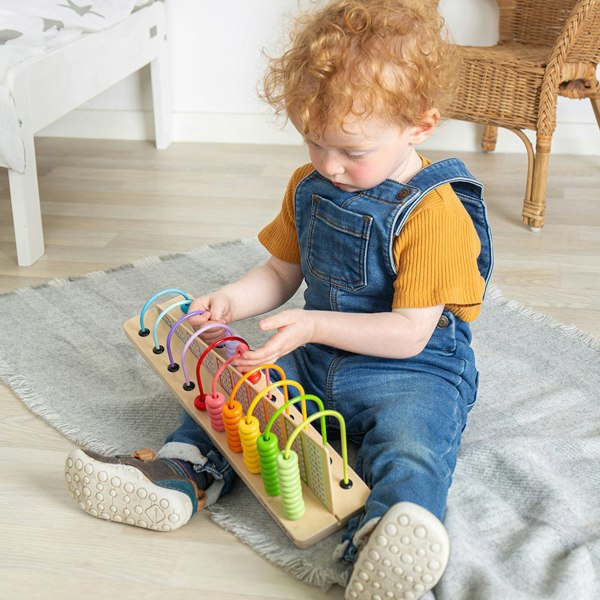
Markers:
point(252, 359)
point(196, 321)
point(213, 332)
point(199, 304)
point(270, 352)
point(248, 365)
point(219, 309)
point(275, 321)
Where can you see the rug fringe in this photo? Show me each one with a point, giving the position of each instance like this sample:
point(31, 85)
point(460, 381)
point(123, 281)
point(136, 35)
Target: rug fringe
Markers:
point(495, 295)
point(316, 576)
point(38, 406)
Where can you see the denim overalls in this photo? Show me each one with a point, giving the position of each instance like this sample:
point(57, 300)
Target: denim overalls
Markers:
point(406, 415)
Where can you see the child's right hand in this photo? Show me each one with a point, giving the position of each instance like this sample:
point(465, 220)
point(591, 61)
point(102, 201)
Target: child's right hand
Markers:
point(218, 310)
point(259, 291)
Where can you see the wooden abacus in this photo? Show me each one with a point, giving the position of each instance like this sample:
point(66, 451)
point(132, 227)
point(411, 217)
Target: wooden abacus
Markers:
point(308, 488)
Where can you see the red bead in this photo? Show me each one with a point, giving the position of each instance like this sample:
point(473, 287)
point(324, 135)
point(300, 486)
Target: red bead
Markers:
point(255, 377)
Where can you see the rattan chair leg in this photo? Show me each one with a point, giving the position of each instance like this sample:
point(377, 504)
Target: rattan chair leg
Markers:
point(596, 106)
point(530, 163)
point(489, 138)
point(534, 208)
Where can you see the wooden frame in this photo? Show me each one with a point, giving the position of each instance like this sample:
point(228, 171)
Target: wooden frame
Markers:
point(326, 511)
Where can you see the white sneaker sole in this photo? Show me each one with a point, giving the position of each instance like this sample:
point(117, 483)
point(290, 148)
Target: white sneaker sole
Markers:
point(404, 557)
point(123, 494)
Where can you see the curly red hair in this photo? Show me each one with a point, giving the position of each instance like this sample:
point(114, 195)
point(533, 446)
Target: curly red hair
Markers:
point(388, 59)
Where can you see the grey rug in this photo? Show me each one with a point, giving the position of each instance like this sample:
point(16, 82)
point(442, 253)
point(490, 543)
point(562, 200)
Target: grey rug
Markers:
point(524, 508)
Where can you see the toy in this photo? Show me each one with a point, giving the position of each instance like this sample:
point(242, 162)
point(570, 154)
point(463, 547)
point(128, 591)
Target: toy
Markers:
point(290, 467)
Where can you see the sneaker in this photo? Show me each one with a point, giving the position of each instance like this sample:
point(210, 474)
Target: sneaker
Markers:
point(404, 557)
point(153, 494)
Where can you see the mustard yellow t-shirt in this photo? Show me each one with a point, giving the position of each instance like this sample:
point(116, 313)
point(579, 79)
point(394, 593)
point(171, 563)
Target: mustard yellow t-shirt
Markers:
point(435, 253)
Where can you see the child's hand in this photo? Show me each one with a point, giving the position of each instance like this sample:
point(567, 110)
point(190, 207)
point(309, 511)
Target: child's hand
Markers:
point(218, 310)
point(294, 328)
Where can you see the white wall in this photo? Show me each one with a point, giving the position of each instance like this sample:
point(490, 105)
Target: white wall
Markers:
point(216, 67)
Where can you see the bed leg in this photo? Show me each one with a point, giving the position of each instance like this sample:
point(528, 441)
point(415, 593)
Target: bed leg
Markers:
point(161, 100)
point(25, 201)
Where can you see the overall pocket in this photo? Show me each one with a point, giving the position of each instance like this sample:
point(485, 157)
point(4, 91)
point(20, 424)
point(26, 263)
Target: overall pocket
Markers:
point(337, 244)
point(443, 340)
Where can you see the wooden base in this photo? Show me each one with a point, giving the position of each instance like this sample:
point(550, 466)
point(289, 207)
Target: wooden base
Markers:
point(328, 506)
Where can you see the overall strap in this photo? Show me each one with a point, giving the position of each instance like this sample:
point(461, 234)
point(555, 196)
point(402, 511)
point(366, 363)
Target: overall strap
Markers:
point(469, 192)
point(450, 170)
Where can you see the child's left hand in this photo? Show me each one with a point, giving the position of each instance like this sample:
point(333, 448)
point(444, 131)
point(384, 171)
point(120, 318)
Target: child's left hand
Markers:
point(294, 328)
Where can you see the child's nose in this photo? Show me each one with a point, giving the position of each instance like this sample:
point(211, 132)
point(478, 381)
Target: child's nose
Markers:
point(331, 166)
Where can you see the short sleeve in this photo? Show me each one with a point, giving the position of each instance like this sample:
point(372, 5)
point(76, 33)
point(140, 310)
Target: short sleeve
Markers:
point(279, 237)
point(436, 257)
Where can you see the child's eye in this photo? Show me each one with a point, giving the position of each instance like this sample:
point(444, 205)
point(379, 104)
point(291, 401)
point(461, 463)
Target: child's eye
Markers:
point(354, 155)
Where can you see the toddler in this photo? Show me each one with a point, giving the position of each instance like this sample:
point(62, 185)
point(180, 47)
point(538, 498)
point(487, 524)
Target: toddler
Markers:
point(395, 252)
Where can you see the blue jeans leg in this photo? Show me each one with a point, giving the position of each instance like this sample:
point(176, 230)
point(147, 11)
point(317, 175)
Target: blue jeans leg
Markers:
point(405, 416)
point(408, 425)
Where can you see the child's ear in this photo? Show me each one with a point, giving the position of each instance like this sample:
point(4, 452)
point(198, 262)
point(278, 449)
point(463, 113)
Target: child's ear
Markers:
point(419, 133)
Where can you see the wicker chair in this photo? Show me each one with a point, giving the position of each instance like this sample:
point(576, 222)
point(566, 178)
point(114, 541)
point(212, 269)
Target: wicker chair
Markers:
point(546, 48)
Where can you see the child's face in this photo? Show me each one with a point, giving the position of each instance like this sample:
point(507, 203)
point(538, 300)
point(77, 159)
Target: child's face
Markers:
point(364, 153)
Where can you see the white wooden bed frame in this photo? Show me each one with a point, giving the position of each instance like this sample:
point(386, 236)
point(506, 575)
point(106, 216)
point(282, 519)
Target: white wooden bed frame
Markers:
point(48, 86)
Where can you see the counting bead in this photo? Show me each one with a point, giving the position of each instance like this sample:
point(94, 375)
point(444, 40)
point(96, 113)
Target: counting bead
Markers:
point(268, 449)
point(254, 378)
point(249, 431)
point(214, 408)
point(232, 414)
point(200, 402)
point(290, 485)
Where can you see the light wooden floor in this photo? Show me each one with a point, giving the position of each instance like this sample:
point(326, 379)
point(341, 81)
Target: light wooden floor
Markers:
point(107, 203)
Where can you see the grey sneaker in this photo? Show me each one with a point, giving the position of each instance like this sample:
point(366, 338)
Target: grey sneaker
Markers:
point(404, 557)
point(152, 494)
